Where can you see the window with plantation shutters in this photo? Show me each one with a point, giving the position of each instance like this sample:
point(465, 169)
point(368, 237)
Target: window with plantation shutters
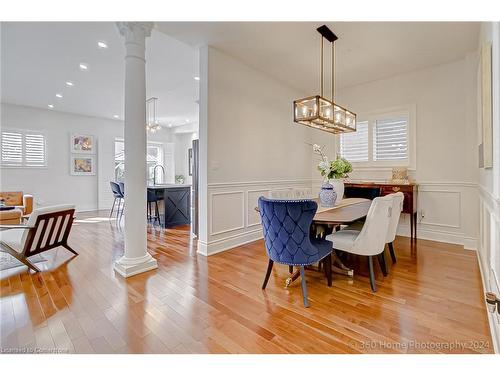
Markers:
point(22, 149)
point(384, 139)
point(354, 146)
point(390, 139)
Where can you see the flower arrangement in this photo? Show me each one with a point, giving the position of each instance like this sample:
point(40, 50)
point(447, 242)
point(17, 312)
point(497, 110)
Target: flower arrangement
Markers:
point(338, 168)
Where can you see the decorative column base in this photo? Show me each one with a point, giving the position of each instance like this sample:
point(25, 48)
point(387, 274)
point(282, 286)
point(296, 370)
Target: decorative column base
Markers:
point(132, 266)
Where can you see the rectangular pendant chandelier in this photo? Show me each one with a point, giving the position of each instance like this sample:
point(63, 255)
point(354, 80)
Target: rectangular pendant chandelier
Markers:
point(319, 112)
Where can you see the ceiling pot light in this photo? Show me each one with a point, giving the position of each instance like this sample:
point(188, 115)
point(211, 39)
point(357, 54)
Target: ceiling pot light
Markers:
point(59, 96)
point(169, 125)
point(69, 83)
point(83, 67)
point(196, 78)
point(50, 106)
point(116, 116)
point(102, 45)
point(319, 112)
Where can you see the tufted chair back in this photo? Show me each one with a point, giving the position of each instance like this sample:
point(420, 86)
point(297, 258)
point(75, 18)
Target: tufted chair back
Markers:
point(286, 225)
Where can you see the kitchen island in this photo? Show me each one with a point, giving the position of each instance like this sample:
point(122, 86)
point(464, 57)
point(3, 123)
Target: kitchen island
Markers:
point(176, 203)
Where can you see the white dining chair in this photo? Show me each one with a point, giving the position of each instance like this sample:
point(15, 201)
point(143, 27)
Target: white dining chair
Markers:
point(302, 193)
point(397, 208)
point(282, 194)
point(370, 240)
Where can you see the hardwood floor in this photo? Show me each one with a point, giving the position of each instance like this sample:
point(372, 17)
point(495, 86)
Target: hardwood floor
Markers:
point(432, 301)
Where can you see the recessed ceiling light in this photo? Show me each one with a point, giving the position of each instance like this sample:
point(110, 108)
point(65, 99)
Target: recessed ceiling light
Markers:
point(187, 120)
point(59, 96)
point(116, 116)
point(83, 67)
point(102, 44)
point(69, 83)
point(169, 125)
point(196, 78)
point(50, 106)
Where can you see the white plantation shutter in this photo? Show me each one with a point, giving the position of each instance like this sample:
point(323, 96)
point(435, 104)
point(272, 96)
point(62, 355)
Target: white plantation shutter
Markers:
point(22, 149)
point(12, 148)
point(354, 146)
point(34, 145)
point(390, 139)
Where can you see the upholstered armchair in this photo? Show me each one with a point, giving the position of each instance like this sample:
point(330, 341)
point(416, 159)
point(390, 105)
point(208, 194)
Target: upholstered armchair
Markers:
point(286, 225)
point(19, 200)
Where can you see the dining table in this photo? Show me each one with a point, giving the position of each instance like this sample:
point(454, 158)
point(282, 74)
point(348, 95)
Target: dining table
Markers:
point(328, 219)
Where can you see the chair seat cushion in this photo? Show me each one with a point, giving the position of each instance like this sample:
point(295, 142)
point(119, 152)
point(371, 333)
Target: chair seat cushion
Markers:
point(344, 239)
point(357, 225)
point(324, 247)
point(13, 238)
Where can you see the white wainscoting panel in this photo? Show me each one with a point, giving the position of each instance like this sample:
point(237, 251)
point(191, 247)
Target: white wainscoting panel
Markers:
point(442, 207)
point(232, 218)
point(451, 212)
point(227, 210)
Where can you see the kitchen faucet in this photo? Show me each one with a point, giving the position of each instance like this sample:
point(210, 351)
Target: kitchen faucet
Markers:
point(154, 172)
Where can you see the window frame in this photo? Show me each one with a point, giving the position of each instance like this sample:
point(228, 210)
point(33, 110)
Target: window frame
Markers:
point(160, 145)
point(23, 164)
point(371, 117)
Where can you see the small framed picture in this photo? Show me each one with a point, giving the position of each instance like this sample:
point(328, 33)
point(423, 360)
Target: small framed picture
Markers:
point(82, 144)
point(82, 165)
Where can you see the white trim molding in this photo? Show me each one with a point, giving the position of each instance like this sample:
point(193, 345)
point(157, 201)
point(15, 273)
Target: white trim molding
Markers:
point(233, 222)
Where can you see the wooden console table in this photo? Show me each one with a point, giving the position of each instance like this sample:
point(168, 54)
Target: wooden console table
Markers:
point(409, 191)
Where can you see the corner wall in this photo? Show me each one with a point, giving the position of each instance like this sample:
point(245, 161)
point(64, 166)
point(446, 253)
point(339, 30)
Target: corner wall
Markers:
point(443, 100)
point(250, 145)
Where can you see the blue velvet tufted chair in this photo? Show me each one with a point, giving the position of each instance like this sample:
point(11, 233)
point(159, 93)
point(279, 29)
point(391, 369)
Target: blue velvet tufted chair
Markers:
point(286, 225)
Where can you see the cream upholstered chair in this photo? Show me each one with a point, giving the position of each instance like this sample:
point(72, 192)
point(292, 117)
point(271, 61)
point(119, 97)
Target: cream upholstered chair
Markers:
point(46, 229)
point(397, 208)
point(370, 241)
point(282, 194)
point(302, 193)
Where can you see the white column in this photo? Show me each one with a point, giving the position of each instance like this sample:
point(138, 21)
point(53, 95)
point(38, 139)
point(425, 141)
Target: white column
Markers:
point(136, 258)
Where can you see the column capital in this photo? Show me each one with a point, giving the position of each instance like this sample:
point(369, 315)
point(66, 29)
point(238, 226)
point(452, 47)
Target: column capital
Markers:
point(135, 32)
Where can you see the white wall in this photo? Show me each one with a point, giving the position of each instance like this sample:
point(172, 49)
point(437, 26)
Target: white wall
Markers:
point(489, 188)
point(55, 184)
point(183, 142)
point(442, 99)
point(248, 145)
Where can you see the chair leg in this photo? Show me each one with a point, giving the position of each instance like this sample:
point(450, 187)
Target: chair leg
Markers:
point(290, 269)
point(118, 209)
point(304, 286)
point(391, 251)
point(372, 274)
point(328, 267)
point(19, 257)
point(268, 273)
point(381, 262)
point(112, 208)
point(123, 208)
point(157, 213)
point(70, 249)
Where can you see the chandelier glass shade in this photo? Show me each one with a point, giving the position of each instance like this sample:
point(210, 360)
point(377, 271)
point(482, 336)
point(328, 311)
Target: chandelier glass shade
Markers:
point(152, 123)
point(319, 112)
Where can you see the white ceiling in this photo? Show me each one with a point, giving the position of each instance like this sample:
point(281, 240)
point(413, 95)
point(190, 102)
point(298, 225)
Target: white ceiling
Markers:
point(38, 58)
point(365, 51)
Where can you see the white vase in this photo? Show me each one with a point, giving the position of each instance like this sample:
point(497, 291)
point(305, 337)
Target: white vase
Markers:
point(338, 186)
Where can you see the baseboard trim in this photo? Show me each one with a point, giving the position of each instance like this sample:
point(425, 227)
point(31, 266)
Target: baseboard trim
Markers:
point(494, 326)
point(469, 243)
point(227, 243)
